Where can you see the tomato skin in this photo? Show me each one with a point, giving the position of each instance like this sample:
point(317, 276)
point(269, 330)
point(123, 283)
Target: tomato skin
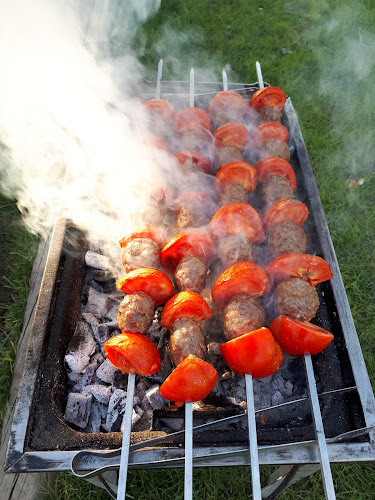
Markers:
point(310, 268)
point(242, 278)
point(238, 172)
point(201, 161)
point(231, 134)
point(197, 244)
point(162, 108)
point(269, 130)
point(157, 143)
point(299, 337)
point(226, 99)
point(276, 166)
point(186, 304)
point(268, 96)
point(283, 211)
point(255, 353)
point(191, 119)
point(144, 232)
point(151, 281)
point(237, 218)
point(133, 352)
point(192, 380)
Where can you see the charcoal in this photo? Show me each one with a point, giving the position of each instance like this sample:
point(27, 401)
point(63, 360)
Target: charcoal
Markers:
point(95, 419)
point(96, 260)
point(98, 303)
point(80, 348)
point(106, 372)
point(115, 408)
point(85, 379)
point(102, 276)
point(277, 398)
point(101, 335)
point(101, 393)
point(73, 376)
point(112, 313)
point(214, 348)
point(154, 397)
point(145, 422)
point(77, 411)
point(175, 424)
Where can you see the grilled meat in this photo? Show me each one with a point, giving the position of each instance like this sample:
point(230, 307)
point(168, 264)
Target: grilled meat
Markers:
point(241, 315)
point(286, 238)
point(233, 193)
point(186, 338)
point(141, 252)
point(296, 298)
point(227, 155)
point(276, 188)
point(191, 274)
point(275, 147)
point(136, 312)
point(234, 248)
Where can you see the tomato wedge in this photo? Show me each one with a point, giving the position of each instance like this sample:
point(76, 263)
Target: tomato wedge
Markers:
point(285, 211)
point(276, 166)
point(237, 218)
point(191, 119)
point(197, 244)
point(299, 337)
point(161, 107)
point(310, 268)
point(242, 278)
point(199, 160)
point(144, 232)
point(268, 131)
point(255, 353)
point(238, 172)
point(226, 99)
point(231, 134)
point(133, 352)
point(268, 96)
point(157, 143)
point(189, 305)
point(192, 380)
point(151, 281)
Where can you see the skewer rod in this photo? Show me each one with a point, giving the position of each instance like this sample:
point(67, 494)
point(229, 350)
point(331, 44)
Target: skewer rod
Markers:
point(188, 485)
point(158, 79)
point(260, 76)
point(124, 461)
point(254, 460)
point(225, 80)
point(329, 489)
point(191, 88)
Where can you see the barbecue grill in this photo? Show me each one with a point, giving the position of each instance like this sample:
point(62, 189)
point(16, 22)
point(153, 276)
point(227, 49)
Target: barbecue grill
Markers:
point(42, 441)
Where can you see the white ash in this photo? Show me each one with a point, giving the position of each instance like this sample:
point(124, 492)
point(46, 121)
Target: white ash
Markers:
point(80, 348)
point(175, 424)
point(78, 409)
point(95, 419)
point(98, 303)
point(101, 393)
point(154, 397)
point(115, 408)
point(106, 372)
point(97, 261)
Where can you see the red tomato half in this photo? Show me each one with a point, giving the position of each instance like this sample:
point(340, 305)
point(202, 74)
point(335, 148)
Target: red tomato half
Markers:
point(268, 96)
point(192, 380)
point(189, 305)
point(144, 232)
point(276, 166)
point(237, 218)
point(255, 353)
point(310, 268)
point(191, 119)
point(199, 160)
point(197, 244)
point(224, 100)
point(133, 353)
point(151, 281)
point(269, 130)
point(231, 134)
point(299, 337)
point(158, 143)
point(238, 172)
point(242, 278)
point(161, 107)
point(283, 211)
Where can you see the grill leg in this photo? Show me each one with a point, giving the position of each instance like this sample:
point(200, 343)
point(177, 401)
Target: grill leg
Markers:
point(285, 476)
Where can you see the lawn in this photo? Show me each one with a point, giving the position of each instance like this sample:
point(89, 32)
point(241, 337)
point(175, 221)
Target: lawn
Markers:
point(322, 54)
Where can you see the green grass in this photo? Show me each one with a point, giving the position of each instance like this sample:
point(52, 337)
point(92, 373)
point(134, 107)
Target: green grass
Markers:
point(322, 54)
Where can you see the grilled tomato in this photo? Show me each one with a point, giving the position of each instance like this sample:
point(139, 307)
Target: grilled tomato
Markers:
point(160, 107)
point(310, 268)
point(144, 232)
point(199, 161)
point(268, 131)
point(276, 166)
point(237, 218)
point(226, 99)
point(238, 172)
point(285, 211)
point(192, 119)
point(187, 305)
point(268, 96)
point(155, 283)
point(231, 134)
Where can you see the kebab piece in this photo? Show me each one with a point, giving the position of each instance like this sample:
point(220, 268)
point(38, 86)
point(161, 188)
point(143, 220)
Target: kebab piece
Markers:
point(236, 180)
point(161, 114)
point(278, 180)
point(230, 142)
point(268, 102)
point(271, 138)
point(193, 161)
point(193, 209)
point(227, 107)
point(193, 128)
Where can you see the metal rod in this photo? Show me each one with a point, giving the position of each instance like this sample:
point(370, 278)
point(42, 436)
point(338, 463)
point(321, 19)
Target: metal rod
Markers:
point(329, 489)
point(259, 73)
point(252, 428)
point(191, 88)
point(188, 488)
point(225, 80)
point(158, 79)
point(124, 461)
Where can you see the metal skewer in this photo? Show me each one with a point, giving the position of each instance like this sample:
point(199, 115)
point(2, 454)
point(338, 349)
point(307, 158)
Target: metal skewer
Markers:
point(252, 428)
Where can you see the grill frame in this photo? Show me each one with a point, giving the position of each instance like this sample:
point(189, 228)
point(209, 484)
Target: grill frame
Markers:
point(20, 459)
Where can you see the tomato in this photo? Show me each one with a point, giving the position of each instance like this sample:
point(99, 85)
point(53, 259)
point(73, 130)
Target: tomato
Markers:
point(144, 232)
point(299, 337)
point(151, 281)
point(199, 160)
point(191, 119)
point(285, 210)
point(224, 100)
point(268, 96)
point(192, 380)
point(198, 244)
point(310, 268)
point(255, 353)
point(161, 107)
point(276, 166)
point(158, 143)
point(187, 305)
point(238, 172)
point(237, 218)
point(267, 131)
point(242, 278)
point(231, 134)
point(133, 353)
point(191, 198)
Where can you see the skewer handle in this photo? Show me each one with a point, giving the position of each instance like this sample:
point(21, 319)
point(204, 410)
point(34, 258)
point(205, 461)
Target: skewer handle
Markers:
point(260, 76)
point(158, 79)
point(124, 461)
point(188, 485)
point(225, 80)
point(191, 104)
point(254, 459)
point(329, 489)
